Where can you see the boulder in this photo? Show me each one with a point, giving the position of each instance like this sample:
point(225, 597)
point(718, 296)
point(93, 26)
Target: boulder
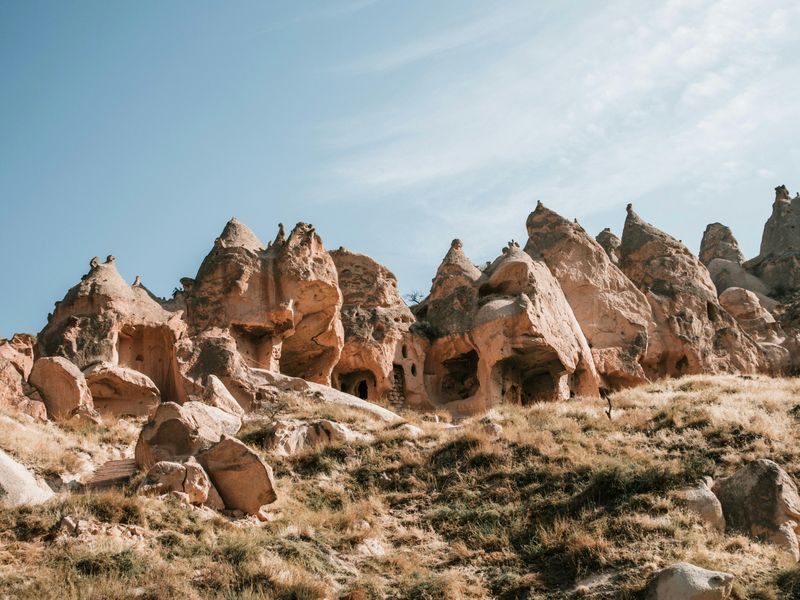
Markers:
point(63, 388)
point(216, 394)
point(702, 501)
point(610, 243)
point(120, 391)
point(683, 581)
point(18, 486)
point(290, 436)
point(382, 357)
point(189, 478)
point(613, 314)
point(762, 500)
point(242, 479)
point(718, 242)
point(177, 432)
point(280, 301)
point(692, 333)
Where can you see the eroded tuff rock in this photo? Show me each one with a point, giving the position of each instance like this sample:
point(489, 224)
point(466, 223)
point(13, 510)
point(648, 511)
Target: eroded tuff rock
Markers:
point(684, 581)
point(121, 391)
point(64, 390)
point(718, 242)
point(612, 312)
point(382, 358)
point(610, 243)
point(504, 334)
point(186, 478)
point(16, 362)
point(18, 486)
point(762, 500)
point(280, 302)
point(692, 332)
point(702, 501)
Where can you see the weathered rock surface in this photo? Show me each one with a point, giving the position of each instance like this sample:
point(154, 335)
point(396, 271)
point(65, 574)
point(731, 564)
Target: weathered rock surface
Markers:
point(121, 391)
point(216, 394)
point(290, 436)
point(612, 312)
point(188, 478)
point(610, 243)
point(16, 362)
point(280, 301)
point(718, 242)
point(778, 263)
point(176, 432)
point(754, 319)
point(693, 333)
point(726, 274)
point(683, 581)
point(762, 500)
point(702, 501)
point(381, 359)
point(243, 480)
point(63, 388)
point(18, 486)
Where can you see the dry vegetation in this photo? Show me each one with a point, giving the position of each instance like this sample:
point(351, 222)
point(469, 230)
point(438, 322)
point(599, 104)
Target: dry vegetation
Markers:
point(563, 503)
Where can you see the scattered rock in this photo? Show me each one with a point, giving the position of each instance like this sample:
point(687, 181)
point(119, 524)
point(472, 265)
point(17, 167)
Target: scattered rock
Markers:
point(683, 581)
point(18, 486)
point(188, 478)
point(290, 436)
point(702, 501)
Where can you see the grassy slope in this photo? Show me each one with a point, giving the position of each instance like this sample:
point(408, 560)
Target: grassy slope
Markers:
point(561, 504)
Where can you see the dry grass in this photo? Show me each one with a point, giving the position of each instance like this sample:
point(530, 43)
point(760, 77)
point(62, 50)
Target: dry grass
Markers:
point(561, 498)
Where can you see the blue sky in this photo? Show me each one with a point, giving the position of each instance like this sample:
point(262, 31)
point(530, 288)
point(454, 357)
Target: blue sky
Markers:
point(137, 129)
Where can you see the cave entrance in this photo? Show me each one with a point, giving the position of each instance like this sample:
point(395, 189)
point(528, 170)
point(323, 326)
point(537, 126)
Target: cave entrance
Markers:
point(358, 383)
point(151, 350)
point(460, 379)
point(528, 377)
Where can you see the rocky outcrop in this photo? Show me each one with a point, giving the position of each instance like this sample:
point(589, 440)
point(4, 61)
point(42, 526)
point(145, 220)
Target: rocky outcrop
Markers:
point(18, 486)
point(120, 391)
point(718, 242)
point(290, 436)
point(382, 357)
point(176, 432)
point(504, 334)
point(762, 500)
point(613, 314)
point(16, 362)
point(63, 388)
point(683, 581)
point(746, 308)
point(243, 480)
point(692, 332)
point(610, 243)
point(280, 302)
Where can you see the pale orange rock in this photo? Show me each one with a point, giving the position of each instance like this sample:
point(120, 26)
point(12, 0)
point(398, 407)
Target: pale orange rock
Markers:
point(16, 362)
point(119, 391)
point(63, 388)
point(612, 312)
point(718, 242)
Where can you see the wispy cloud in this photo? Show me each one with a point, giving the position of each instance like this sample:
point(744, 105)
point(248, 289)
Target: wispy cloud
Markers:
point(598, 108)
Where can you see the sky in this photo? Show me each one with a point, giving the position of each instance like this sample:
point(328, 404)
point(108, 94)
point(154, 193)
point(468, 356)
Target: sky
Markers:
point(139, 128)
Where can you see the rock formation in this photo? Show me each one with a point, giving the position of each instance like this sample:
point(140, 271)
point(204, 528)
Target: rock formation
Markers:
point(610, 243)
point(613, 314)
point(63, 388)
point(718, 242)
point(693, 333)
point(381, 358)
point(16, 362)
point(121, 391)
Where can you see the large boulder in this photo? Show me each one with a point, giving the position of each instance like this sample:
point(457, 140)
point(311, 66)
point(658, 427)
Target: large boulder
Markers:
point(18, 486)
point(718, 242)
point(612, 312)
point(243, 480)
point(187, 478)
point(702, 501)
point(63, 388)
point(762, 500)
point(279, 301)
point(216, 394)
point(16, 362)
point(105, 319)
point(176, 432)
point(290, 436)
point(121, 391)
point(683, 581)
point(382, 357)
point(692, 332)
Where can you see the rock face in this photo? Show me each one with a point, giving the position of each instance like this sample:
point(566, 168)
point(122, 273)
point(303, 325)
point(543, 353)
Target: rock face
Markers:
point(16, 362)
point(290, 436)
point(746, 308)
point(504, 334)
point(243, 480)
point(702, 501)
point(692, 332)
point(381, 359)
point(177, 432)
point(280, 302)
point(120, 391)
point(762, 500)
point(718, 242)
point(778, 264)
point(216, 394)
point(612, 313)
point(18, 486)
point(63, 388)
point(683, 581)
point(610, 243)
